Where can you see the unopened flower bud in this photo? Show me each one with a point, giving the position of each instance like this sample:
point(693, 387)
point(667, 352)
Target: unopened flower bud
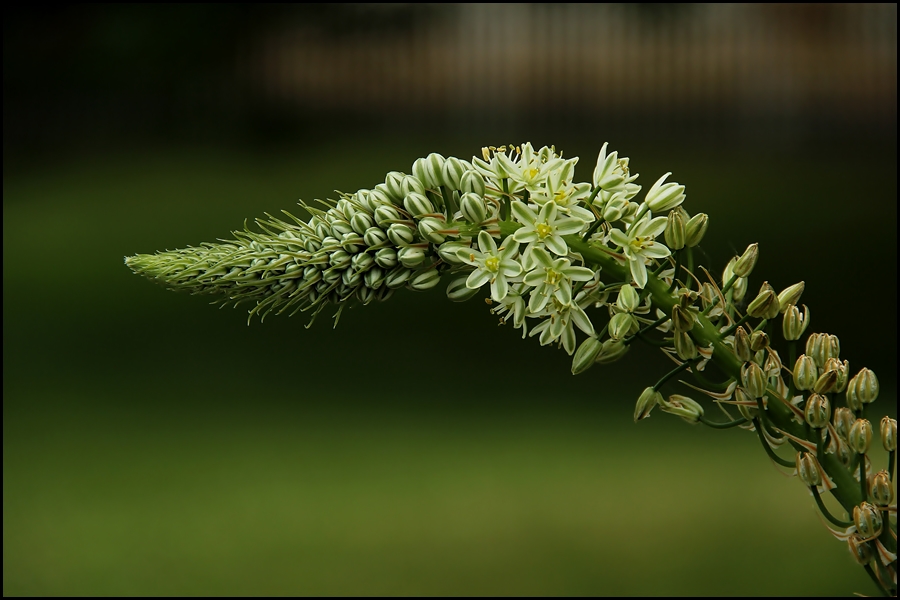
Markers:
point(361, 221)
point(615, 208)
point(647, 400)
point(473, 208)
point(397, 277)
point(458, 291)
point(808, 469)
point(684, 407)
point(843, 421)
point(386, 258)
point(586, 355)
point(817, 411)
point(790, 295)
point(881, 489)
point(682, 320)
point(889, 434)
point(758, 341)
point(386, 215)
point(674, 232)
point(867, 519)
point(765, 305)
point(826, 382)
point(860, 436)
point(663, 197)
point(612, 351)
point(860, 549)
point(742, 344)
point(620, 325)
point(400, 234)
point(374, 277)
point(794, 323)
point(628, 298)
point(448, 251)
point(425, 280)
point(842, 373)
point(417, 204)
point(430, 228)
point(865, 386)
point(411, 183)
point(739, 289)
point(361, 262)
point(753, 380)
point(744, 265)
point(392, 183)
point(684, 346)
point(695, 229)
point(374, 236)
point(452, 171)
point(471, 182)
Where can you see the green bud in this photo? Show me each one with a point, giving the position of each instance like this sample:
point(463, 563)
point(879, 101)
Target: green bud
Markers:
point(386, 258)
point(452, 171)
point(758, 341)
point(339, 259)
point(860, 437)
point(615, 208)
point(684, 407)
point(397, 277)
point(682, 320)
point(742, 344)
point(889, 434)
point(473, 208)
point(434, 170)
point(744, 265)
point(865, 386)
point(374, 236)
point(412, 183)
point(471, 182)
point(695, 229)
point(380, 196)
point(790, 295)
point(361, 221)
point(842, 371)
point(684, 346)
point(430, 228)
point(860, 549)
point(647, 400)
point(817, 411)
point(674, 232)
point(425, 280)
point(339, 227)
point(586, 355)
point(826, 382)
point(361, 262)
point(664, 196)
point(794, 324)
point(765, 305)
point(739, 289)
point(867, 519)
point(448, 252)
point(843, 421)
point(620, 325)
point(386, 215)
point(374, 277)
point(457, 291)
point(417, 204)
point(392, 183)
point(808, 469)
point(753, 379)
point(411, 256)
point(881, 489)
point(401, 235)
point(352, 242)
point(611, 352)
point(628, 299)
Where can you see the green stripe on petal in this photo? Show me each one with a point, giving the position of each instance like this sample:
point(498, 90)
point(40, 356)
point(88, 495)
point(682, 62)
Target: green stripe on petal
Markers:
point(477, 278)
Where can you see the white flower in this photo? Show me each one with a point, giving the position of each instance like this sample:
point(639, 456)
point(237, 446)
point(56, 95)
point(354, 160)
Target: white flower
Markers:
point(611, 172)
point(530, 171)
point(638, 245)
point(545, 228)
point(661, 197)
point(551, 278)
point(491, 264)
point(560, 324)
point(565, 194)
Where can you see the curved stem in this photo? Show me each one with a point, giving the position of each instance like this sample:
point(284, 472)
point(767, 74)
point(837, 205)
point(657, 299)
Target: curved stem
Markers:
point(727, 425)
point(762, 438)
point(665, 378)
point(824, 510)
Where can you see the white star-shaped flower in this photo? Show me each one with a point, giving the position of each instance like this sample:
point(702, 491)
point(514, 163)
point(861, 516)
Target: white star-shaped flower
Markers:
point(547, 227)
point(491, 264)
point(639, 245)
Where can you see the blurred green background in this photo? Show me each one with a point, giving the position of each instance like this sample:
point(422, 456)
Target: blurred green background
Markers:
point(156, 445)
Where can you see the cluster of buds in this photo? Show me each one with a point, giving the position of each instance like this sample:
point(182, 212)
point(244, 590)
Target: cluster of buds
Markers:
point(549, 250)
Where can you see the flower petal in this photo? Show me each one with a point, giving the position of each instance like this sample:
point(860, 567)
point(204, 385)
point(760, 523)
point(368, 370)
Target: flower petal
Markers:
point(638, 271)
point(556, 245)
point(477, 278)
point(523, 214)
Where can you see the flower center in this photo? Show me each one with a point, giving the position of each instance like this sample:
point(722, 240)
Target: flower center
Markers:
point(561, 197)
point(530, 174)
point(543, 230)
point(553, 277)
point(492, 264)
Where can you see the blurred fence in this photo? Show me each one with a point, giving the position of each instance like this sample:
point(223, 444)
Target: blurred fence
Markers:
point(785, 65)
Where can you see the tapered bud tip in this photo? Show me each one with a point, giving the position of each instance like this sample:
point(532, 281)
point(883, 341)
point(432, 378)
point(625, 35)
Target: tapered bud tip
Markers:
point(586, 355)
point(765, 305)
point(881, 489)
point(744, 265)
point(695, 229)
point(860, 436)
point(684, 407)
point(889, 434)
point(867, 519)
point(791, 295)
point(648, 399)
point(808, 469)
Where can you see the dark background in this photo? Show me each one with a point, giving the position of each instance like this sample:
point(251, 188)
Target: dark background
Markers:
point(155, 445)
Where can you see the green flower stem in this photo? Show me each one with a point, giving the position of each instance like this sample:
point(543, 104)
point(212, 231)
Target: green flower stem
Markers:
point(762, 438)
point(647, 328)
point(665, 378)
point(715, 301)
point(734, 327)
point(448, 201)
point(689, 281)
point(710, 384)
point(727, 425)
point(862, 478)
point(824, 510)
point(874, 577)
point(892, 456)
point(594, 227)
point(678, 254)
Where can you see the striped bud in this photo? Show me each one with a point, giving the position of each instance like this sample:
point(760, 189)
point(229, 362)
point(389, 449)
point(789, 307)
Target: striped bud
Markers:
point(397, 277)
point(682, 319)
point(339, 259)
point(753, 380)
point(881, 489)
point(860, 437)
point(864, 386)
point(434, 170)
point(361, 222)
point(386, 258)
point(674, 232)
point(393, 186)
point(743, 266)
point(684, 407)
point(374, 236)
point(471, 182)
point(362, 262)
point(473, 208)
point(742, 344)
point(790, 295)
point(867, 519)
point(586, 355)
point(860, 549)
point(664, 196)
point(458, 291)
point(411, 256)
point(889, 434)
point(695, 229)
point(684, 346)
point(842, 369)
point(808, 469)
point(794, 323)
point(448, 252)
point(385, 216)
point(620, 325)
point(843, 421)
point(765, 305)
point(417, 204)
point(374, 278)
point(615, 208)
point(817, 411)
point(430, 228)
point(628, 299)
point(412, 184)
point(758, 341)
point(425, 280)
point(611, 352)
point(826, 382)
point(648, 399)
point(400, 234)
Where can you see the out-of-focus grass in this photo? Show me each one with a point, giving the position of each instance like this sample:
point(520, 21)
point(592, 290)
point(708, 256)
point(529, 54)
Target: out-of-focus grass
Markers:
point(153, 445)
